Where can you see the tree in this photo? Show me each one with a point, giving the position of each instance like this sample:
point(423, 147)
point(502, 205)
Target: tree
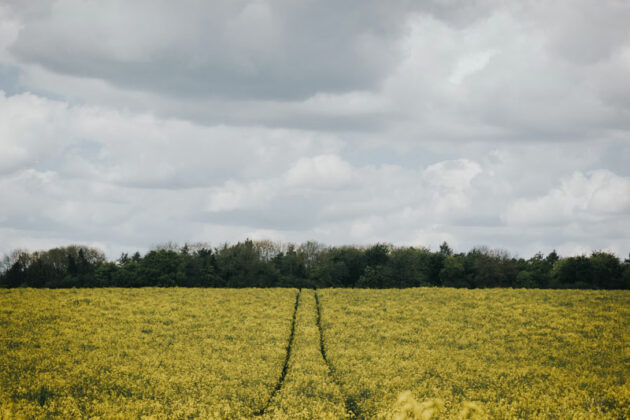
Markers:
point(291, 268)
point(445, 249)
point(15, 276)
point(267, 249)
point(5, 264)
point(269, 264)
point(409, 267)
point(553, 257)
point(310, 252)
point(160, 267)
point(573, 272)
point(123, 259)
point(625, 276)
point(606, 270)
point(374, 277)
point(377, 255)
point(240, 265)
point(453, 274)
point(535, 272)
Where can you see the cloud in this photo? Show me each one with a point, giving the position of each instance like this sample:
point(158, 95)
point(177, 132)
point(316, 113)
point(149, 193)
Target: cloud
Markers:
point(323, 171)
point(228, 49)
point(9, 31)
point(139, 149)
point(31, 128)
point(488, 122)
point(585, 32)
point(238, 196)
point(417, 71)
point(579, 198)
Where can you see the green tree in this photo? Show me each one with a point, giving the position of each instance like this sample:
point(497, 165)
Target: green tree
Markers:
point(606, 270)
point(453, 274)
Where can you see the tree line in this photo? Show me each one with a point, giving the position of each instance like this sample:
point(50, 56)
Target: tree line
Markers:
point(311, 264)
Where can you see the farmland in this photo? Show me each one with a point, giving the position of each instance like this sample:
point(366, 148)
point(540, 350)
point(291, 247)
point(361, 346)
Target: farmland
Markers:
point(513, 353)
point(329, 353)
point(135, 352)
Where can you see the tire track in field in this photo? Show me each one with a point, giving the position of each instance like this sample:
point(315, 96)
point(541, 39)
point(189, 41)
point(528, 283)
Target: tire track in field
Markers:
point(351, 404)
point(285, 367)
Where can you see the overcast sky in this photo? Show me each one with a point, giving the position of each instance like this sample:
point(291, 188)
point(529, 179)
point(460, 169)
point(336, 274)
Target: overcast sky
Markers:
point(128, 124)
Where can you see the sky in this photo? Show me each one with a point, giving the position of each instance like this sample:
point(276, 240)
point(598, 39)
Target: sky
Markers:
point(124, 125)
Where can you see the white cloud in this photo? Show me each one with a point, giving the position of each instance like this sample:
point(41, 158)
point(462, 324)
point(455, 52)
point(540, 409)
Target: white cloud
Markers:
point(586, 198)
point(31, 128)
point(470, 63)
point(235, 195)
point(322, 171)
point(140, 149)
point(504, 123)
point(453, 175)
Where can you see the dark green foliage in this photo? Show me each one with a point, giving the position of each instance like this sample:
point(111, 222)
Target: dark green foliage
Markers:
point(536, 271)
point(572, 272)
point(376, 255)
point(606, 271)
point(241, 265)
point(409, 267)
point(373, 277)
point(601, 270)
point(268, 264)
point(291, 266)
point(16, 275)
point(453, 273)
point(71, 266)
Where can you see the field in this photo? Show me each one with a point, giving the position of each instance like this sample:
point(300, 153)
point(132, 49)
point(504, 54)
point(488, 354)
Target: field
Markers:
point(130, 353)
point(506, 353)
point(330, 353)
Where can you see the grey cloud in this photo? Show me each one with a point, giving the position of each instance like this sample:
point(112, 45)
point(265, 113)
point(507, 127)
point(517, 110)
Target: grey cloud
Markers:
point(230, 49)
point(9, 79)
point(285, 213)
point(435, 70)
point(586, 31)
point(352, 122)
point(226, 49)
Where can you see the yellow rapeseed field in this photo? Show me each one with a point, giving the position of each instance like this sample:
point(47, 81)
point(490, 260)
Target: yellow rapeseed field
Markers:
point(423, 353)
point(497, 353)
point(129, 353)
point(308, 391)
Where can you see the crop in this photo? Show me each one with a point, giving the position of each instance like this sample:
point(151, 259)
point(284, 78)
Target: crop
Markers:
point(129, 353)
point(421, 353)
point(497, 353)
point(308, 391)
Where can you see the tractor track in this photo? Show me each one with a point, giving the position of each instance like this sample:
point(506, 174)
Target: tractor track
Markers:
point(350, 403)
point(285, 367)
